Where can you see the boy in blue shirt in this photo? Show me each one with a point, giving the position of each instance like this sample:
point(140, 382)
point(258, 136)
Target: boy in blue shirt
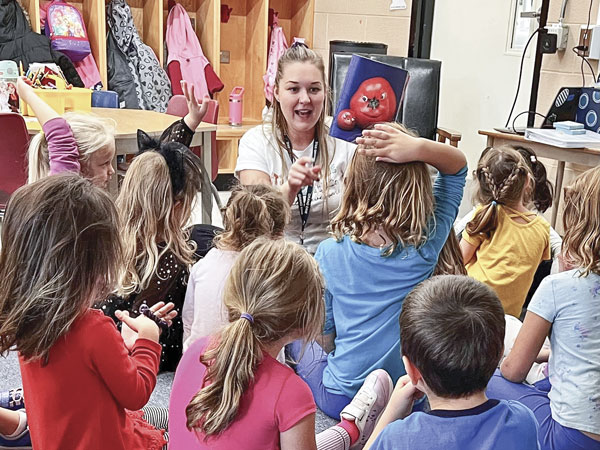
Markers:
point(452, 334)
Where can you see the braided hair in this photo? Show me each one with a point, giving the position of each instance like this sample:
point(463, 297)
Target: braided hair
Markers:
point(502, 174)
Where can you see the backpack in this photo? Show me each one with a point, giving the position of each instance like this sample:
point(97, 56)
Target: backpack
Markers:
point(66, 30)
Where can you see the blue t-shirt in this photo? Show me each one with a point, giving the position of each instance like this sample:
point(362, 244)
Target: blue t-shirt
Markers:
point(365, 291)
point(572, 304)
point(495, 425)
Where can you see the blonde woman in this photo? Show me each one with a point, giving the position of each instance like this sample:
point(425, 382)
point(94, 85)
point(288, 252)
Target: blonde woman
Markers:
point(565, 307)
point(229, 391)
point(251, 212)
point(295, 151)
point(154, 204)
point(389, 233)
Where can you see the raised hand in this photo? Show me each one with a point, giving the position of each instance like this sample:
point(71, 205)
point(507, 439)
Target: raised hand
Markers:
point(196, 111)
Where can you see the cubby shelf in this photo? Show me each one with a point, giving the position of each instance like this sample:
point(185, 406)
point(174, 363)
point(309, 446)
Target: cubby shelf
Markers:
point(245, 36)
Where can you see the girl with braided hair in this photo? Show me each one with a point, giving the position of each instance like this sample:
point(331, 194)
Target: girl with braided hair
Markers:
point(504, 243)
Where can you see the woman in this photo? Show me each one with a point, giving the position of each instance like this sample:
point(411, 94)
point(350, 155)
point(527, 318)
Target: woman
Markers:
point(295, 151)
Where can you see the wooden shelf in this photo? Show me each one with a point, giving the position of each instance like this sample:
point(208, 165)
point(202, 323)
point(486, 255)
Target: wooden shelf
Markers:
point(245, 37)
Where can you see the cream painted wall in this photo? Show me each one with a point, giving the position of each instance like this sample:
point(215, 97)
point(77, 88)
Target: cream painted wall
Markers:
point(361, 20)
point(479, 77)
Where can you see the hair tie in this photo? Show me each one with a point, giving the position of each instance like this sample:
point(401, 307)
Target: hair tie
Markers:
point(533, 159)
point(494, 203)
point(247, 316)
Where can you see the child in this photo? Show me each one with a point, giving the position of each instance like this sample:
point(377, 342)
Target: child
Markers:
point(80, 143)
point(154, 204)
point(83, 143)
point(252, 211)
point(61, 252)
point(566, 306)
point(504, 243)
point(388, 236)
point(452, 331)
point(229, 392)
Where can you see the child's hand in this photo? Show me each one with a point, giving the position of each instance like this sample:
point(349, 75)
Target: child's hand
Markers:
point(404, 395)
point(196, 111)
point(388, 144)
point(142, 326)
point(24, 88)
point(302, 173)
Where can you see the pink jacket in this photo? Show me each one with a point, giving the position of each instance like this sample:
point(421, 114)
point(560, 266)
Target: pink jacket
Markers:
point(277, 47)
point(183, 46)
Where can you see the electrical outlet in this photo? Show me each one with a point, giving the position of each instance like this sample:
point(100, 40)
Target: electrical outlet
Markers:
point(562, 34)
point(585, 37)
point(225, 57)
point(595, 43)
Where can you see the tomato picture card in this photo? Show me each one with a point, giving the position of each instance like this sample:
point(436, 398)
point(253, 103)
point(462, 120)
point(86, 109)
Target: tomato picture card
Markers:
point(372, 93)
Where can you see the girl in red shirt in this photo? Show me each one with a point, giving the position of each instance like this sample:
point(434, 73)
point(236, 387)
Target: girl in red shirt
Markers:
point(60, 253)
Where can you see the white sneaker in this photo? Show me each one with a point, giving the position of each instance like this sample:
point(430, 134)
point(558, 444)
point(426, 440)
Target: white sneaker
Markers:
point(368, 404)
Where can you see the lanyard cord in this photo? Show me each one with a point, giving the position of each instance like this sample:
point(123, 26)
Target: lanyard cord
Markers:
point(304, 201)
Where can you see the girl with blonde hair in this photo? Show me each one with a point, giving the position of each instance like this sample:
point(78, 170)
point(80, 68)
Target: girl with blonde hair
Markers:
point(85, 143)
point(155, 204)
point(60, 253)
point(504, 243)
point(565, 307)
point(251, 212)
point(389, 232)
point(230, 392)
point(295, 152)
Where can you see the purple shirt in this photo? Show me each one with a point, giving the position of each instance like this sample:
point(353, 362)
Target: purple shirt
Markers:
point(63, 152)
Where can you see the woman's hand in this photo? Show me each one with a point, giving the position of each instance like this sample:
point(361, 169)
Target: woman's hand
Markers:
point(388, 144)
point(196, 111)
point(143, 327)
point(302, 173)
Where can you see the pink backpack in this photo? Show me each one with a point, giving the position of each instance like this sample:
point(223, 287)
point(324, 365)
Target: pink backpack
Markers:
point(66, 30)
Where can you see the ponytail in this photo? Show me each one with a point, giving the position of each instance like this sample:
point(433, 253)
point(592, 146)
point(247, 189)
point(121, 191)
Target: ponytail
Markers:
point(543, 192)
point(38, 165)
point(274, 291)
point(231, 366)
point(485, 220)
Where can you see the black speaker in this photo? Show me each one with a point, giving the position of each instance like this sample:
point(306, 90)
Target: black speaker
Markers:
point(549, 42)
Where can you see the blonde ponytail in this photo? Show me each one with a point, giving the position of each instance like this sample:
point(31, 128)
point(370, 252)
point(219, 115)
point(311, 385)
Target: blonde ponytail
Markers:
point(38, 165)
point(278, 286)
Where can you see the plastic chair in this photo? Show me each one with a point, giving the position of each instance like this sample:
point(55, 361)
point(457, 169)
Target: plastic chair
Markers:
point(14, 140)
point(105, 99)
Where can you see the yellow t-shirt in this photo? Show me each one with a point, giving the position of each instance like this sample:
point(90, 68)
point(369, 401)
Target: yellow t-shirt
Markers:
point(508, 260)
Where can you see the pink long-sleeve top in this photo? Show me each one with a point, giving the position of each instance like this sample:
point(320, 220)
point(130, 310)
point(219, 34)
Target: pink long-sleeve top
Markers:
point(63, 152)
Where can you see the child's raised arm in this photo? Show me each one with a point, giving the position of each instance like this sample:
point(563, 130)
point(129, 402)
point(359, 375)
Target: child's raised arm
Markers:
point(389, 144)
point(41, 109)
point(196, 111)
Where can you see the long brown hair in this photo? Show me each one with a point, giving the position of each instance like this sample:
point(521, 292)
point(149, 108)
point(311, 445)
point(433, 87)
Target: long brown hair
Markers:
point(502, 176)
point(60, 253)
point(581, 222)
point(151, 213)
point(280, 286)
point(450, 261)
point(253, 211)
point(279, 127)
point(396, 197)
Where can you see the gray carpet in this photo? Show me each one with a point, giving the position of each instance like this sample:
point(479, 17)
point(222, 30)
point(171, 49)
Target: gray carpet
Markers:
point(10, 377)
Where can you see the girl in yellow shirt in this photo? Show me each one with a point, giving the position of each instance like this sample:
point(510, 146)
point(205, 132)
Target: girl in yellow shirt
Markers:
point(504, 243)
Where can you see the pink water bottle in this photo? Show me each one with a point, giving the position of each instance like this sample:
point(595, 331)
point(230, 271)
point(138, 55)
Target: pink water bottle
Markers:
point(236, 106)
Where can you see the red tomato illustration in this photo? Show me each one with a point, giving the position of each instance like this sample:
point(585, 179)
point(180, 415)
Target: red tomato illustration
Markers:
point(374, 101)
point(346, 120)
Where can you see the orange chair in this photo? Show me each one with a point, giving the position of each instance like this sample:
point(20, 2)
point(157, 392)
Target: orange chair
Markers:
point(14, 140)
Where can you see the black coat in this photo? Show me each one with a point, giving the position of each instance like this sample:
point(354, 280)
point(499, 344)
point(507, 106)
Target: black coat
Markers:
point(19, 43)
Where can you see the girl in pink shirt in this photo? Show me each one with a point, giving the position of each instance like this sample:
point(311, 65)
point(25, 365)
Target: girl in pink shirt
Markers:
point(230, 392)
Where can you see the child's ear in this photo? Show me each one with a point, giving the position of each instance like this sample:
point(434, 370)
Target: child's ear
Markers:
point(276, 92)
point(412, 372)
point(145, 142)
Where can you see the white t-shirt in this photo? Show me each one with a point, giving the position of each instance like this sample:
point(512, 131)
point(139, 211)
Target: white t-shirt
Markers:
point(571, 303)
point(258, 151)
point(203, 312)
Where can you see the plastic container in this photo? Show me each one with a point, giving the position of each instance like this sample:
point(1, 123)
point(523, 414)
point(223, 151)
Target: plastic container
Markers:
point(236, 106)
point(63, 100)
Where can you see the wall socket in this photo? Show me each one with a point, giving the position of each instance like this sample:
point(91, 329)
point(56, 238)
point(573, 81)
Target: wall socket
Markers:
point(225, 57)
point(562, 34)
point(585, 37)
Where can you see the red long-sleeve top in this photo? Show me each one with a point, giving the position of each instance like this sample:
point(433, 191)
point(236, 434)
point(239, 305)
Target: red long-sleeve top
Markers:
point(79, 400)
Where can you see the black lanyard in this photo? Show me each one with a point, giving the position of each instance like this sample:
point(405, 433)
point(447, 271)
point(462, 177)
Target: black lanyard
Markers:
point(304, 200)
